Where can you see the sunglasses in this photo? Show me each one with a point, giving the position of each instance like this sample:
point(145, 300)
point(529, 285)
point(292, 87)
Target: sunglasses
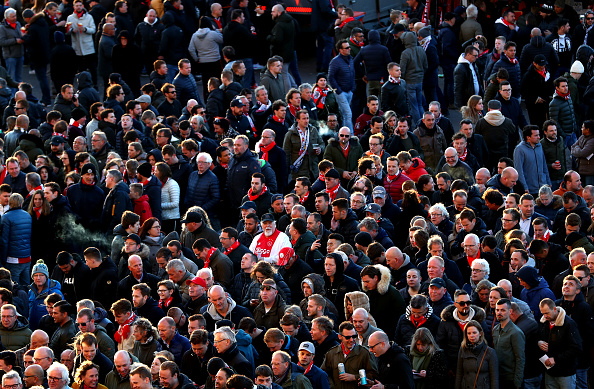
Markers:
point(463, 303)
point(347, 337)
point(344, 136)
point(267, 287)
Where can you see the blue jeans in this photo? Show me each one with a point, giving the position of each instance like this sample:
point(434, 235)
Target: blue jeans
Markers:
point(581, 377)
point(532, 383)
point(15, 68)
point(559, 382)
point(19, 272)
point(295, 70)
point(324, 46)
point(344, 104)
point(41, 74)
point(249, 70)
point(415, 96)
point(171, 72)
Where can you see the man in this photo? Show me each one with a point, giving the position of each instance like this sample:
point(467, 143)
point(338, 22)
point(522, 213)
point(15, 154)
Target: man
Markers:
point(271, 152)
point(530, 161)
point(344, 152)
point(185, 83)
point(393, 92)
point(414, 64)
point(141, 378)
point(177, 273)
point(66, 329)
point(572, 203)
point(499, 134)
point(294, 269)
point(363, 122)
point(561, 111)
point(33, 376)
point(582, 272)
point(259, 194)
point(90, 352)
point(284, 372)
point(272, 308)
point(195, 361)
point(571, 183)
point(15, 177)
point(119, 376)
point(509, 62)
point(171, 378)
point(226, 344)
point(457, 168)
point(467, 80)
point(233, 248)
point(418, 314)
point(510, 108)
point(137, 275)
point(302, 145)
point(323, 337)
point(559, 340)
point(393, 366)
point(81, 29)
point(144, 305)
point(432, 139)
point(357, 358)
point(267, 245)
point(273, 80)
point(221, 265)
point(554, 150)
point(317, 376)
point(281, 39)
point(509, 343)
point(344, 220)
point(14, 328)
point(171, 340)
point(222, 306)
point(85, 319)
point(364, 329)
point(151, 187)
point(342, 78)
point(125, 318)
point(242, 166)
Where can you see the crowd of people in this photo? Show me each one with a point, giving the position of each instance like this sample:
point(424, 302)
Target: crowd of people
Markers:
point(205, 231)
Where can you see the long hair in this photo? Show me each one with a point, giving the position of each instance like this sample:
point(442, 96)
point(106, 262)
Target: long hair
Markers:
point(473, 323)
point(205, 218)
point(45, 205)
point(146, 226)
point(424, 335)
point(470, 111)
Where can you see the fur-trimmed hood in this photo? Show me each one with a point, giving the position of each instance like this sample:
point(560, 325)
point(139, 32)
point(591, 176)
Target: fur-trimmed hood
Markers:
point(560, 320)
point(448, 313)
point(358, 300)
point(384, 282)
point(556, 204)
point(143, 253)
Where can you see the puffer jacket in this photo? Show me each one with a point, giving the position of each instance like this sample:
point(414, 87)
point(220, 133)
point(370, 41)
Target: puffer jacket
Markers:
point(86, 202)
point(37, 307)
point(204, 45)
point(514, 73)
point(561, 111)
point(538, 45)
point(375, 56)
point(203, 190)
point(116, 203)
point(413, 60)
point(582, 150)
point(64, 107)
point(82, 42)
point(239, 175)
point(8, 37)
point(406, 329)
point(16, 234)
point(348, 227)
point(18, 336)
point(341, 74)
point(433, 143)
point(87, 94)
point(170, 200)
point(358, 300)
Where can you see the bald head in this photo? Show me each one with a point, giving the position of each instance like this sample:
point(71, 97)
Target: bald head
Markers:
point(39, 338)
point(20, 95)
point(278, 8)
point(394, 258)
point(34, 370)
point(108, 29)
point(509, 177)
point(535, 32)
point(482, 176)
point(360, 314)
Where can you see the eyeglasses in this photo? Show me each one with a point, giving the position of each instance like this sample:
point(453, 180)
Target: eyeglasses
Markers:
point(374, 144)
point(463, 303)
point(506, 220)
point(477, 270)
point(347, 337)
point(219, 341)
point(267, 287)
point(580, 278)
point(15, 386)
point(39, 359)
point(7, 316)
point(162, 290)
point(83, 324)
point(345, 48)
point(375, 345)
point(171, 91)
point(54, 379)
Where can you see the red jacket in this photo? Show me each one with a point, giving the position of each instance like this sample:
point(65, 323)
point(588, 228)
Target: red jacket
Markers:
point(416, 170)
point(142, 208)
point(394, 188)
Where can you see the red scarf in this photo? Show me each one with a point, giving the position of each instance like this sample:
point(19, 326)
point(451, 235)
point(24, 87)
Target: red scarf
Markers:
point(345, 152)
point(124, 330)
point(13, 25)
point(81, 14)
point(232, 247)
point(266, 149)
point(164, 182)
point(463, 156)
point(418, 323)
point(249, 118)
point(355, 42)
point(218, 22)
point(543, 73)
point(345, 352)
point(349, 19)
point(508, 24)
point(390, 178)
point(319, 96)
point(58, 134)
point(333, 192)
point(278, 120)
point(208, 255)
point(40, 187)
point(547, 235)
point(563, 95)
point(471, 259)
point(294, 110)
point(252, 197)
point(37, 211)
point(304, 199)
point(512, 60)
point(321, 177)
point(164, 304)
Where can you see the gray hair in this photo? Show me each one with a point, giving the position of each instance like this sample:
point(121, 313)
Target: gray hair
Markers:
point(176, 264)
point(62, 369)
point(8, 12)
point(472, 11)
point(439, 207)
point(305, 86)
point(474, 237)
point(369, 223)
point(205, 270)
point(101, 135)
point(546, 190)
point(435, 239)
point(205, 156)
point(11, 375)
point(484, 264)
point(85, 303)
point(258, 90)
point(226, 332)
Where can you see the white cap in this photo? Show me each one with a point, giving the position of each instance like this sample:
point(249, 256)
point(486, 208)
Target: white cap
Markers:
point(577, 67)
point(307, 346)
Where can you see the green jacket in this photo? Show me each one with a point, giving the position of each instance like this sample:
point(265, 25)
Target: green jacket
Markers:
point(341, 163)
point(303, 244)
point(18, 336)
point(555, 151)
point(106, 344)
point(291, 146)
point(359, 358)
point(295, 379)
point(509, 344)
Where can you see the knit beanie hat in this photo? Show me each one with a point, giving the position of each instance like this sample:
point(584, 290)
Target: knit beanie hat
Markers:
point(529, 275)
point(577, 67)
point(145, 169)
point(59, 37)
point(40, 267)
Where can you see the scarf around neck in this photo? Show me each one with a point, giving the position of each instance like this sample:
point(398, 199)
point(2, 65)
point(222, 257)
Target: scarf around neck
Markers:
point(253, 197)
point(266, 149)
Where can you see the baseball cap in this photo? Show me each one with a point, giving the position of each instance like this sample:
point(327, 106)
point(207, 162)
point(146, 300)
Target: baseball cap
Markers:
point(307, 346)
point(379, 191)
point(57, 140)
point(275, 197)
point(237, 103)
point(134, 237)
point(197, 281)
point(144, 99)
point(540, 60)
point(248, 205)
point(438, 281)
point(284, 255)
point(267, 217)
point(373, 208)
point(192, 217)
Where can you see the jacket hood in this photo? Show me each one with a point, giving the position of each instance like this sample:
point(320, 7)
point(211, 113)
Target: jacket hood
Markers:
point(30, 141)
point(84, 80)
point(374, 37)
point(495, 118)
point(557, 202)
point(124, 34)
point(147, 22)
point(384, 283)
point(120, 230)
point(358, 299)
point(461, 59)
point(448, 313)
point(100, 314)
point(243, 339)
point(213, 312)
point(583, 54)
point(317, 281)
point(560, 320)
point(409, 39)
point(20, 324)
point(168, 19)
point(417, 163)
point(538, 41)
point(202, 32)
point(427, 314)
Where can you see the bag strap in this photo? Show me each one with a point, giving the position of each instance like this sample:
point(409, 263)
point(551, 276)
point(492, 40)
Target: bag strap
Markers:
point(479, 369)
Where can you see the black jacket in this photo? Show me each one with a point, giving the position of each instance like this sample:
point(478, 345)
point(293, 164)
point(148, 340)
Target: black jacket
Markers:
point(116, 203)
point(464, 84)
point(239, 175)
point(395, 370)
point(37, 40)
point(237, 361)
point(150, 311)
point(565, 344)
point(75, 285)
point(104, 284)
point(322, 348)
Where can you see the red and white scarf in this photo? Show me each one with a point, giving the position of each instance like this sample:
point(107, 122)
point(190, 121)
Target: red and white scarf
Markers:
point(58, 134)
point(303, 199)
point(266, 149)
point(356, 42)
point(319, 96)
point(512, 60)
point(208, 255)
point(390, 178)
point(164, 304)
point(232, 247)
point(333, 192)
point(253, 197)
point(124, 330)
point(464, 155)
point(294, 110)
point(393, 80)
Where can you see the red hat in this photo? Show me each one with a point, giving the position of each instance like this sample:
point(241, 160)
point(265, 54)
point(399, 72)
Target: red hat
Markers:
point(284, 255)
point(197, 281)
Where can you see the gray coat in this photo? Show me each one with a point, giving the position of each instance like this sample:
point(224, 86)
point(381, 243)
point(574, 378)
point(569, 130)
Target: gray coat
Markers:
point(274, 86)
point(468, 366)
point(413, 60)
point(8, 37)
point(204, 46)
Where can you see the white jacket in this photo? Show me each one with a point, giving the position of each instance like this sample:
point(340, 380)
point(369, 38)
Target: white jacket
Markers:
point(82, 42)
point(282, 240)
point(170, 200)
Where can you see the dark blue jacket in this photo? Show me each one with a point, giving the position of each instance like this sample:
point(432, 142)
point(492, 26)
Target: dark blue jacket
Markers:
point(511, 109)
point(341, 73)
point(186, 88)
point(86, 202)
point(515, 74)
point(17, 184)
point(375, 57)
point(322, 15)
point(239, 176)
point(153, 190)
point(116, 203)
point(177, 346)
point(151, 311)
point(16, 234)
point(172, 47)
point(318, 378)
point(450, 48)
point(203, 190)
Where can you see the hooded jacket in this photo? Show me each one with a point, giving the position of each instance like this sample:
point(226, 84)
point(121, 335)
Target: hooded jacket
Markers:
point(406, 328)
point(531, 165)
point(204, 46)
point(234, 313)
point(148, 35)
point(375, 57)
point(539, 289)
point(413, 60)
point(336, 290)
point(18, 336)
point(37, 307)
point(358, 300)
point(499, 132)
point(538, 45)
point(464, 86)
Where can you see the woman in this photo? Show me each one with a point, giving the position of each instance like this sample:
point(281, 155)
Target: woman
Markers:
point(325, 99)
point(427, 359)
point(261, 271)
point(39, 209)
point(222, 129)
point(169, 198)
point(169, 296)
point(151, 235)
point(354, 300)
point(473, 109)
point(146, 341)
point(155, 367)
point(204, 49)
point(477, 363)
point(67, 159)
point(390, 125)
point(154, 156)
point(481, 294)
point(87, 377)
point(41, 287)
point(411, 207)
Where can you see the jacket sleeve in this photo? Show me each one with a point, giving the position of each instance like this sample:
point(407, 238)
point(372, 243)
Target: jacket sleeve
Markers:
point(287, 146)
point(579, 151)
point(192, 48)
point(493, 367)
point(174, 194)
point(90, 28)
point(554, 111)
point(459, 86)
point(333, 68)
point(518, 342)
point(519, 165)
point(214, 194)
point(5, 225)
